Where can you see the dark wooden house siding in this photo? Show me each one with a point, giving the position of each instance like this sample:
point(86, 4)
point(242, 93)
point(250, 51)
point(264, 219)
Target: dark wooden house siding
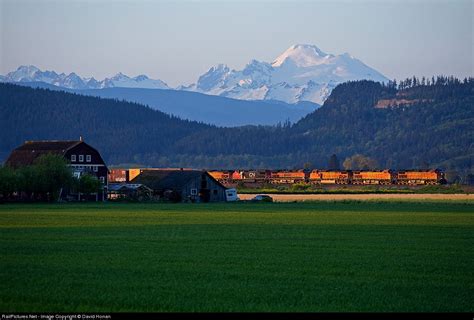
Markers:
point(85, 159)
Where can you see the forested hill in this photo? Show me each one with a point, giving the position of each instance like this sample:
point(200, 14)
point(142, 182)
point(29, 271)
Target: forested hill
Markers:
point(120, 130)
point(418, 126)
point(410, 125)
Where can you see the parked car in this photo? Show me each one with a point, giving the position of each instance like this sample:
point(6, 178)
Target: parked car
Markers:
point(262, 197)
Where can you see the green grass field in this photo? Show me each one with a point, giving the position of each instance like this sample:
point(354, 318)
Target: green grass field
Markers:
point(320, 256)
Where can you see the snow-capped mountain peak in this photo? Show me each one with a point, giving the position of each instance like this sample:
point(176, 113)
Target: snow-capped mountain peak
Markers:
point(119, 76)
point(141, 77)
point(23, 73)
point(303, 72)
point(214, 77)
point(74, 81)
point(302, 55)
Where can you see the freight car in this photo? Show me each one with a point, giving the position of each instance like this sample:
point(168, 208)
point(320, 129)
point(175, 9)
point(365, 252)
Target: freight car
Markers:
point(285, 177)
point(420, 177)
point(384, 177)
point(329, 177)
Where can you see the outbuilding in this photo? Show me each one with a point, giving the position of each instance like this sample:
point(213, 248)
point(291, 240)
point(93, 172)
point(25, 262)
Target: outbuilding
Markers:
point(182, 185)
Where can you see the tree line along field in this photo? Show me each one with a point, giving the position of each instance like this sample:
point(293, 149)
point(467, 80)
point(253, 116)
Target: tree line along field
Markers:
point(317, 256)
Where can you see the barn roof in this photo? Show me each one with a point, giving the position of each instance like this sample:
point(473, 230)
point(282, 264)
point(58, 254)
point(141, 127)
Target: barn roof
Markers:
point(169, 179)
point(27, 153)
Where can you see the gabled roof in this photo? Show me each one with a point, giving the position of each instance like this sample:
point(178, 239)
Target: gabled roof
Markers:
point(27, 153)
point(160, 180)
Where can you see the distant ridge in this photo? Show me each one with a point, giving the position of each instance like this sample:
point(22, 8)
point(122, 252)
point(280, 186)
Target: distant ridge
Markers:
point(219, 111)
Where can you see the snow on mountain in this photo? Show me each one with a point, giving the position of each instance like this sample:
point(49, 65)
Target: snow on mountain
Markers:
point(22, 73)
point(73, 81)
point(301, 73)
point(302, 55)
point(142, 81)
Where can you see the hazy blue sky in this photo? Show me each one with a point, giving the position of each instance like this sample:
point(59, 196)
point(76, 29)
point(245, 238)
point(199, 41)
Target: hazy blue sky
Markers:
point(177, 41)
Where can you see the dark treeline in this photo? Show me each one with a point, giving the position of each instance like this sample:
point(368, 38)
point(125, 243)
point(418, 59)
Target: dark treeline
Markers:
point(422, 126)
point(421, 82)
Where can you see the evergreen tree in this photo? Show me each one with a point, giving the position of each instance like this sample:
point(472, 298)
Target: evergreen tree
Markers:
point(333, 163)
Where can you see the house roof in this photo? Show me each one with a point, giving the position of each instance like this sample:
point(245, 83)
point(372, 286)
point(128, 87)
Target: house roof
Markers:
point(27, 153)
point(169, 179)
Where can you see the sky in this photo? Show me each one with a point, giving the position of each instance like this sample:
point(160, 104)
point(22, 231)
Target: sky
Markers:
point(177, 41)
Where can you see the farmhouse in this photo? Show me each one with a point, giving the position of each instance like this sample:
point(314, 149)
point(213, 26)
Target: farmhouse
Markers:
point(82, 158)
point(182, 185)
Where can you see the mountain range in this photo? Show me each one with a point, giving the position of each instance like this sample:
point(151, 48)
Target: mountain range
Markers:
point(73, 81)
point(301, 73)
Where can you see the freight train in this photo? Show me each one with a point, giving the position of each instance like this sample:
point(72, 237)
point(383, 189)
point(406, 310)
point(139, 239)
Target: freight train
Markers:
point(320, 177)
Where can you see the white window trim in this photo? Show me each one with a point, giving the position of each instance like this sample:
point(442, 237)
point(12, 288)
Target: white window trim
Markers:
point(194, 192)
point(73, 158)
point(95, 168)
point(102, 179)
point(87, 165)
point(88, 158)
point(81, 158)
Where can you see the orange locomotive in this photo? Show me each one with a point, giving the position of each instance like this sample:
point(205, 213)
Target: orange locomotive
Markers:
point(329, 177)
point(372, 177)
point(420, 177)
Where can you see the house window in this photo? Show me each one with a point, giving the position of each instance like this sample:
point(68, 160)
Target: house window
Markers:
point(73, 158)
point(95, 168)
point(88, 158)
point(81, 158)
point(102, 179)
point(194, 192)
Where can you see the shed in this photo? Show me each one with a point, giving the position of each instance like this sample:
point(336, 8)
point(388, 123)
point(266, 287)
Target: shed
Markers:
point(182, 185)
point(132, 191)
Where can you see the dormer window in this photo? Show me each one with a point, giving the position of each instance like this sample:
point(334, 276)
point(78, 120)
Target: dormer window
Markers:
point(88, 158)
point(81, 158)
point(73, 158)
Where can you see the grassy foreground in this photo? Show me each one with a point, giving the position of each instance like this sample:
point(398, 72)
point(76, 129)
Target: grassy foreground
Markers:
point(342, 256)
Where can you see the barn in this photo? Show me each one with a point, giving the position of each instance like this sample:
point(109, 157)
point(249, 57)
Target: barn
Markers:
point(82, 158)
point(182, 185)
